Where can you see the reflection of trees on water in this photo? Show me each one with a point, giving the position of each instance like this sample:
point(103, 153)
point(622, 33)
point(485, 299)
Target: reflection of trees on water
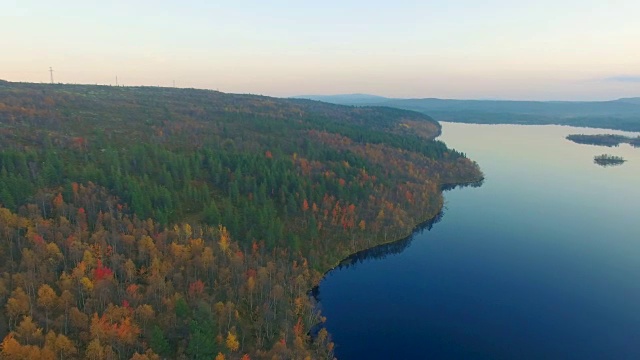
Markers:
point(377, 252)
point(447, 187)
point(396, 247)
point(384, 250)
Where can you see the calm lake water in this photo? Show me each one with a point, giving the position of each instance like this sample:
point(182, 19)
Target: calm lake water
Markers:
point(540, 262)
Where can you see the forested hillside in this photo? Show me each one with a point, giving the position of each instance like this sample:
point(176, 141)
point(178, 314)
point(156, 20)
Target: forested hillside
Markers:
point(146, 223)
point(621, 114)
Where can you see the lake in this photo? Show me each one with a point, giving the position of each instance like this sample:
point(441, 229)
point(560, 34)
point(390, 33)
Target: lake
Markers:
point(540, 262)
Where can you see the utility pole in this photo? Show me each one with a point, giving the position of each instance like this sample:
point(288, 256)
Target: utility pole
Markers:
point(51, 72)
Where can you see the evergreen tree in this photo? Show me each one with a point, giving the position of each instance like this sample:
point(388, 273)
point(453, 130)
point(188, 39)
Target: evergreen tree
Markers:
point(159, 343)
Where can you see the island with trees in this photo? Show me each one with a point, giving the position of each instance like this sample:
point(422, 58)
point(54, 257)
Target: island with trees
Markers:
point(608, 160)
point(604, 140)
point(163, 223)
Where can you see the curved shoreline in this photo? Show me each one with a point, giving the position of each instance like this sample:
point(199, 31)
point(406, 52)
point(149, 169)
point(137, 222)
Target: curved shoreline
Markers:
point(431, 219)
point(403, 237)
point(419, 224)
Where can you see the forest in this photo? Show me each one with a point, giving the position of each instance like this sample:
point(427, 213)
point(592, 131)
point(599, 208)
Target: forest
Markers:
point(620, 114)
point(153, 223)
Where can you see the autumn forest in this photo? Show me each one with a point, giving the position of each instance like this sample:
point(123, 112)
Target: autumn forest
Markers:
point(161, 223)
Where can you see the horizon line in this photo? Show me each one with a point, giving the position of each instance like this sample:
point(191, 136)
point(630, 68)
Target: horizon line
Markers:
point(307, 97)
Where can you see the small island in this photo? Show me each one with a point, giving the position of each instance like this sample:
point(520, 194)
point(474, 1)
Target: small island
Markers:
point(609, 140)
point(608, 160)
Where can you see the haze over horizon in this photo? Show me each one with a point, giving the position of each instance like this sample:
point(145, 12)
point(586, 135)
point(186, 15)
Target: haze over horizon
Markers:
point(567, 50)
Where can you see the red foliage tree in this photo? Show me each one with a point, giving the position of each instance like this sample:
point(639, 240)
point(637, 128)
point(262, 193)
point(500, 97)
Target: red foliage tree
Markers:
point(101, 272)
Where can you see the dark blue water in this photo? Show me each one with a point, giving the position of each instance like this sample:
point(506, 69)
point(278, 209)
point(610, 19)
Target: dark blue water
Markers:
point(540, 262)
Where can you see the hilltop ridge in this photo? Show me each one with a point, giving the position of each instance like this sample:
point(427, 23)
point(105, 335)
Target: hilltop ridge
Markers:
point(620, 114)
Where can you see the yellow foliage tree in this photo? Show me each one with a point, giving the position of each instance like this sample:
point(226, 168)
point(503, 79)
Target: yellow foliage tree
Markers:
point(18, 304)
point(225, 239)
point(94, 350)
point(64, 347)
point(87, 283)
point(47, 299)
point(11, 348)
point(232, 342)
point(362, 225)
point(28, 332)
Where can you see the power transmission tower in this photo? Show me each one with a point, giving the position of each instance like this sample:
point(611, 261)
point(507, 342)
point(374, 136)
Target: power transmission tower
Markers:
point(51, 72)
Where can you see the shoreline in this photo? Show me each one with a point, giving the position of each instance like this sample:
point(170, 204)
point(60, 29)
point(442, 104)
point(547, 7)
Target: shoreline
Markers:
point(394, 240)
point(419, 224)
point(432, 216)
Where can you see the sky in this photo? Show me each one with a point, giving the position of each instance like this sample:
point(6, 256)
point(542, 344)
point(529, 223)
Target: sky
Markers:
point(492, 49)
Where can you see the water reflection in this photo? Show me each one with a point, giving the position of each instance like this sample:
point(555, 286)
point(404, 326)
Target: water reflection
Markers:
point(382, 251)
point(541, 262)
point(447, 187)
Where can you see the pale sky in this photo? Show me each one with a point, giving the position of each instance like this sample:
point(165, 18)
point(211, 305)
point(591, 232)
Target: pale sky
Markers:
point(539, 50)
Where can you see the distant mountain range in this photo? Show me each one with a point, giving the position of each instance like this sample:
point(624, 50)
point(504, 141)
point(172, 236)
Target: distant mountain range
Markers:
point(635, 100)
point(621, 114)
point(347, 99)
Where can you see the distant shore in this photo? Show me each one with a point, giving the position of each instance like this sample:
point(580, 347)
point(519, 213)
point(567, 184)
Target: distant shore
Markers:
point(609, 140)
